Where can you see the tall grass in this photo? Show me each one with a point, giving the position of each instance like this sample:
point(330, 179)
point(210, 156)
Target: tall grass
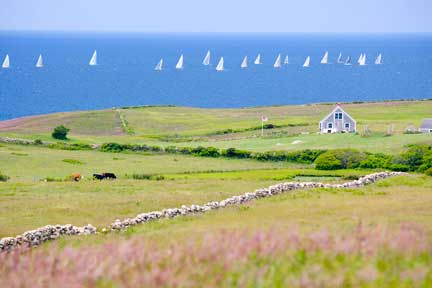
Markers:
point(372, 256)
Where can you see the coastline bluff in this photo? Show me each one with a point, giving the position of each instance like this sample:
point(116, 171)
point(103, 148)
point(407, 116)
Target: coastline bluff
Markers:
point(51, 232)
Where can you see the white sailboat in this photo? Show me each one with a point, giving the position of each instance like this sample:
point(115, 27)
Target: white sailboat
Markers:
point(286, 61)
point(307, 62)
point(206, 60)
point(179, 64)
point(348, 61)
point(159, 65)
point(93, 60)
point(6, 62)
point(220, 65)
point(324, 59)
point(39, 63)
point(244, 63)
point(258, 60)
point(278, 62)
point(339, 60)
point(360, 58)
point(363, 60)
point(378, 60)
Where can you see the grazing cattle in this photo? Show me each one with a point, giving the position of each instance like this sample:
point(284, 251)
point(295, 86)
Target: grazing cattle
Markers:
point(76, 177)
point(107, 175)
point(98, 176)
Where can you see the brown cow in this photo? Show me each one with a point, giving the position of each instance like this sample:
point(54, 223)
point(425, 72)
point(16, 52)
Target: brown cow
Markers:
point(76, 177)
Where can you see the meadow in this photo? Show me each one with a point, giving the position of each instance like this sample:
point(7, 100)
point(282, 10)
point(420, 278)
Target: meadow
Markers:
point(294, 239)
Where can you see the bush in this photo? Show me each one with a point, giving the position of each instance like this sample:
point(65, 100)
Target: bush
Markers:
point(209, 152)
point(112, 147)
point(339, 159)
point(60, 132)
point(428, 172)
point(235, 153)
point(38, 142)
point(416, 158)
point(374, 161)
point(328, 161)
point(3, 178)
point(67, 146)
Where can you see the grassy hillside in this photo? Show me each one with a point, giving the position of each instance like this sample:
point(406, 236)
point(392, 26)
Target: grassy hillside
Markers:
point(239, 128)
point(27, 201)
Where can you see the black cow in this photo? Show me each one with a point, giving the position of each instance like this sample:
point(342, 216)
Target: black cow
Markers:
point(98, 176)
point(109, 175)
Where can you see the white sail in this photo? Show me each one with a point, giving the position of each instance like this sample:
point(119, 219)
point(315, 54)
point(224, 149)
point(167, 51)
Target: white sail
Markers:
point(159, 65)
point(348, 61)
point(258, 60)
point(324, 59)
point(360, 58)
point(206, 60)
point(93, 60)
point(6, 62)
point(244, 63)
point(339, 60)
point(307, 62)
point(180, 62)
point(286, 61)
point(220, 65)
point(363, 60)
point(39, 63)
point(378, 60)
point(278, 62)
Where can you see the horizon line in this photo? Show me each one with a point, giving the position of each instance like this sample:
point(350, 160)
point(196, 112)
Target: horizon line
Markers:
point(210, 32)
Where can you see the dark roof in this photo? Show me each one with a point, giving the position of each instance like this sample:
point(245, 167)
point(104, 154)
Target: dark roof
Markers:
point(427, 123)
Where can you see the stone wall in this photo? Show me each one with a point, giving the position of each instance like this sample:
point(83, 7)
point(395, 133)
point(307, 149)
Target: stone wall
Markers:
point(51, 232)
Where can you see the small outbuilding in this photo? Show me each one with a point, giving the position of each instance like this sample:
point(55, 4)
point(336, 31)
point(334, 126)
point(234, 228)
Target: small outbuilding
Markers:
point(426, 126)
point(338, 121)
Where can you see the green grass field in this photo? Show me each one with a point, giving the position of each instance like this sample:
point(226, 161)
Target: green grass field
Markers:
point(195, 126)
point(28, 202)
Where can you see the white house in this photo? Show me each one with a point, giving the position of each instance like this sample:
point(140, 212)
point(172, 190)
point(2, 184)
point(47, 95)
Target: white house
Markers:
point(426, 126)
point(338, 121)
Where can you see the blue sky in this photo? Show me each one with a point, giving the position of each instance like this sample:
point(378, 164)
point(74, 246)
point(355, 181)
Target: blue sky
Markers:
point(369, 16)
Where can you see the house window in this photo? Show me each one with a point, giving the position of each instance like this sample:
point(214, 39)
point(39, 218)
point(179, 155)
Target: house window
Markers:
point(347, 125)
point(330, 125)
point(338, 115)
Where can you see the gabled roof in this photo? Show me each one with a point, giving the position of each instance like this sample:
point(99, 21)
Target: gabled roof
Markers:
point(334, 110)
point(426, 124)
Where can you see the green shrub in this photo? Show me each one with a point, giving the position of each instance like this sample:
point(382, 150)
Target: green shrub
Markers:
point(235, 153)
point(428, 172)
point(3, 178)
point(38, 142)
point(339, 159)
point(171, 149)
point(112, 147)
point(416, 158)
point(60, 132)
point(399, 167)
point(72, 146)
point(206, 152)
point(328, 161)
point(374, 161)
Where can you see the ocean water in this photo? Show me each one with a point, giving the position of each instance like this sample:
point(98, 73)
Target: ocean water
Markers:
point(125, 75)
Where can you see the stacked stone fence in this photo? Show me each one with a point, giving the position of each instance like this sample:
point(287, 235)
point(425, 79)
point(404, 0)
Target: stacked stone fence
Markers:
point(51, 232)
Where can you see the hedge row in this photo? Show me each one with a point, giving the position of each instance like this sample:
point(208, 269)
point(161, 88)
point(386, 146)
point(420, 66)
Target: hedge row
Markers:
point(305, 156)
point(417, 158)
